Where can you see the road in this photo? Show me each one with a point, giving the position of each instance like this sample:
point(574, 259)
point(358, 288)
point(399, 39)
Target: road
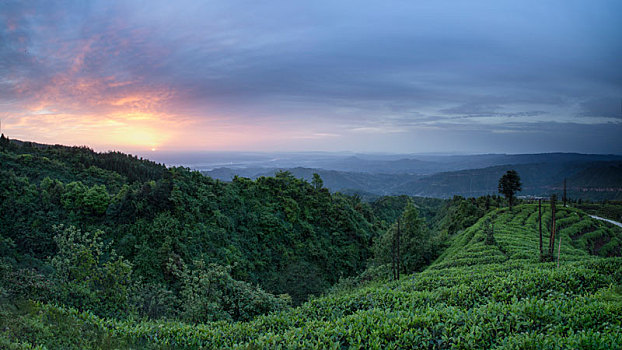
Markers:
point(609, 221)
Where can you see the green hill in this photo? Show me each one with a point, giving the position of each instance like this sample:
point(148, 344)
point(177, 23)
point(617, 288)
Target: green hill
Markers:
point(169, 225)
point(478, 294)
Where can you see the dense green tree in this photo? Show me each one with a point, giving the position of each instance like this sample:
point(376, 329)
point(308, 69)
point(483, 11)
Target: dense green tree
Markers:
point(96, 200)
point(317, 182)
point(415, 243)
point(88, 275)
point(460, 213)
point(209, 293)
point(73, 197)
point(509, 184)
point(154, 300)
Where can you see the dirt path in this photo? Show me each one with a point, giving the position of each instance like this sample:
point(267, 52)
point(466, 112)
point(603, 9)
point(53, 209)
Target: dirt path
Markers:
point(609, 221)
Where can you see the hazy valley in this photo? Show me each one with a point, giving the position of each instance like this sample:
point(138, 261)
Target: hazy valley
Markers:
point(592, 177)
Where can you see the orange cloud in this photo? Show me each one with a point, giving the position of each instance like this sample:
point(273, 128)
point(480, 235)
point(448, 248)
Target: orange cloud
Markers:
point(76, 106)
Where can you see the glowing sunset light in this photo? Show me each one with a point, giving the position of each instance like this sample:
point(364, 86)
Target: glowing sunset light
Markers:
point(404, 77)
point(137, 136)
point(126, 100)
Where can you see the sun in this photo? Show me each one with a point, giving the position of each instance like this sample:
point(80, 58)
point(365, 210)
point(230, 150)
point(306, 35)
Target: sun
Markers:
point(153, 149)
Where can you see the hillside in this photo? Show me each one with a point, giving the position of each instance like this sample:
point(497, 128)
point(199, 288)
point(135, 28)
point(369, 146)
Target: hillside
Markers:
point(279, 233)
point(476, 295)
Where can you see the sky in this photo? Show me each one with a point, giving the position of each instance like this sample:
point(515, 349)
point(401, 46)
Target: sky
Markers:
point(364, 76)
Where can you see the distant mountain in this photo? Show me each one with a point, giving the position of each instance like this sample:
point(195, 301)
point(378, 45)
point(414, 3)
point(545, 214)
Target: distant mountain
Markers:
point(375, 166)
point(587, 178)
point(419, 164)
point(599, 175)
point(428, 165)
point(463, 162)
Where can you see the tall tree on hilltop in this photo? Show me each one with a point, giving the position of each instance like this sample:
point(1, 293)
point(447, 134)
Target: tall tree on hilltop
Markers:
point(509, 184)
point(4, 141)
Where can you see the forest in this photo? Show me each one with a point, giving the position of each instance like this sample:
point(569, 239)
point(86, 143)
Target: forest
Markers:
point(108, 250)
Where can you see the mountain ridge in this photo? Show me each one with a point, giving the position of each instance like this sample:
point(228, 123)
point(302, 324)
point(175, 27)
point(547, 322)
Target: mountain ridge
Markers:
point(590, 179)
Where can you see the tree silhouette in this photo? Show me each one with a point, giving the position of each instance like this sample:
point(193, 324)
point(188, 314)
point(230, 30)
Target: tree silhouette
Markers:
point(509, 184)
point(4, 141)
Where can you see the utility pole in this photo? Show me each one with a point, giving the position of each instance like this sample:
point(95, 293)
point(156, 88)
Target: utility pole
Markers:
point(559, 250)
point(552, 237)
point(564, 199)
point(540, 224)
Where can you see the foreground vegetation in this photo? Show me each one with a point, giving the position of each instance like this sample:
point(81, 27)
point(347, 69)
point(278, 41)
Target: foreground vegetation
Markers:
point(110, 251)
point(477, 295)
point(154, 238)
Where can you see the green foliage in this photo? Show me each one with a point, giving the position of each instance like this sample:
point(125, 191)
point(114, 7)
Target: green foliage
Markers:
point(509, 184)
point(29, 325)
point(154, 300)
point(489, 232)
point(96, 200)
point(415, 242)
point(497, 305)
point(460, 213)
point(205, 259)
point(73, 196)
point(88, 275)
point(283, 234)
point(388, 208)
point(209, 293)
point(317, 182)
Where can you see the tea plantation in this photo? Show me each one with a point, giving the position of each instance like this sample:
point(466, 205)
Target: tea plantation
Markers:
point(478, 294)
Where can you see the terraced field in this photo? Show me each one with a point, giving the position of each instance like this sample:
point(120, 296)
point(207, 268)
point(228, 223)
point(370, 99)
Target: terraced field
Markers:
point(476, 295)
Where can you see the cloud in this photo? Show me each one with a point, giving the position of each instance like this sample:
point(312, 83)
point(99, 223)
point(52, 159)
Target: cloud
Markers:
point(608, 107)
point(378, 130)
point(472, 108)
point(312, 71)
